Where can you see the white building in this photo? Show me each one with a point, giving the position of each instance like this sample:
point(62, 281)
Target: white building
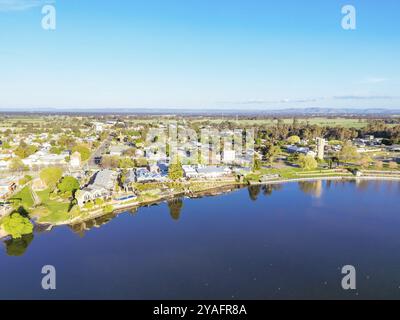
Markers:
point(229, 156)
point(189, 171)
point(321, 148)
point(75, 161)
point(102, 187)
point(43, 158)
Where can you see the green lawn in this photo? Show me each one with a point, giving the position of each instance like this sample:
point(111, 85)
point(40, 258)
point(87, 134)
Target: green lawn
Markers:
point(51, 210)
point(23, 198)
point(321, 121)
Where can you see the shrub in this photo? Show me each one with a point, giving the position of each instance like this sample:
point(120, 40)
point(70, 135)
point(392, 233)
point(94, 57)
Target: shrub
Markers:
point(108, 208)
point(99, 202)
point(88, 205)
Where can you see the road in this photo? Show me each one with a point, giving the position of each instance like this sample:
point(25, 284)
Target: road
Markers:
point(91, 164)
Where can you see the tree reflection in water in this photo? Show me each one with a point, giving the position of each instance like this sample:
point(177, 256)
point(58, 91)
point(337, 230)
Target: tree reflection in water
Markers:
point(175, 207)
point(254, 191)
point(17, 247)
point(269, 188)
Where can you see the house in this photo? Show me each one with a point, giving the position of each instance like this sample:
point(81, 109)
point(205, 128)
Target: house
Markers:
point(130, 179)
point(75, 161)
point(144, 175)
point(213, 172)
point(303, 150)
point(394, 148)
point(189, 171)
point(102, 187)
point(4, 165)
point(228, 156)
point(8, 186)
point(118, 150)
point(163, 168)
point(98, 127)
point(43, 158)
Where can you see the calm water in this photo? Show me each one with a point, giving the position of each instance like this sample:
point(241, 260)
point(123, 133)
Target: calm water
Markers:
point(285, 241)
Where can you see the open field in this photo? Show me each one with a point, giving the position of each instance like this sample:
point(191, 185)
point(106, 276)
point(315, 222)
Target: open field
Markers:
point(343, 122)
point(9, 122)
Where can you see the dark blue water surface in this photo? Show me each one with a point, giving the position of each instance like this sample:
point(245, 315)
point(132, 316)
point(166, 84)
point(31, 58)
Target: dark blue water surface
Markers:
point(282, 241)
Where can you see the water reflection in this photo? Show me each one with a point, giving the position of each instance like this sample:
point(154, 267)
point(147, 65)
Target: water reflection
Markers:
point(313, 188)
point(269, 188)
point(82, 227)
point(254, 191)
point(175, 207)
point(17, 247)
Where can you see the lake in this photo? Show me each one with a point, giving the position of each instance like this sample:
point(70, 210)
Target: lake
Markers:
point(286, 241)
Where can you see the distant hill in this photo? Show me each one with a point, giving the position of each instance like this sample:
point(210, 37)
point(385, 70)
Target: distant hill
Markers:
point(314, 111)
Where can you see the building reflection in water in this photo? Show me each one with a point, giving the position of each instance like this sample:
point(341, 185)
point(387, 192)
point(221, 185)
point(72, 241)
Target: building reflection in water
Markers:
point(81, 228)
point(313, 188)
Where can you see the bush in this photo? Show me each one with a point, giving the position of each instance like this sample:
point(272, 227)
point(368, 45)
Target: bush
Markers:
point(393, 165)
point(307, 162)
point(99, 202)
point(88, 205)
point(293, 139)
point(108, 208)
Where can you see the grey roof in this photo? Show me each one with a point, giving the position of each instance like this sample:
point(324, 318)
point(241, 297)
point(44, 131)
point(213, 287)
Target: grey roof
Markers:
point(211, 169)
point(105, 179)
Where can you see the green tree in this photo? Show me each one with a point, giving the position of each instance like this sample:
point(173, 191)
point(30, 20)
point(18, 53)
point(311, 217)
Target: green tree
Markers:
point(307, 162)
point(16, 225)
point(24, 150)
point(175, 171)
point(83, 150)
point(108, 208)
point(68, 184)
point(50, 176)
point(16, 164)
point(272, 152)
point(256, 163)
point(348, 152)
point(293, 139)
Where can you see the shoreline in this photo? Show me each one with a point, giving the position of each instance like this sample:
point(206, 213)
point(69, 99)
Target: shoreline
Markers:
point(218, 190)
point(206, 192)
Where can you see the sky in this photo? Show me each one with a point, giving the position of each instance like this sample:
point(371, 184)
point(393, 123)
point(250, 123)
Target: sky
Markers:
point(199, 54)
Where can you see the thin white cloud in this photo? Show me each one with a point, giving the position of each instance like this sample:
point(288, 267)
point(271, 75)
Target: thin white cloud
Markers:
point(375, 80)
point(21, 5)
point(360, 97)
point(263, 101)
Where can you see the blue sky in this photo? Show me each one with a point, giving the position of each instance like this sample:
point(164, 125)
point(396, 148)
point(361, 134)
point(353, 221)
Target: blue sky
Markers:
point(247, 54)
